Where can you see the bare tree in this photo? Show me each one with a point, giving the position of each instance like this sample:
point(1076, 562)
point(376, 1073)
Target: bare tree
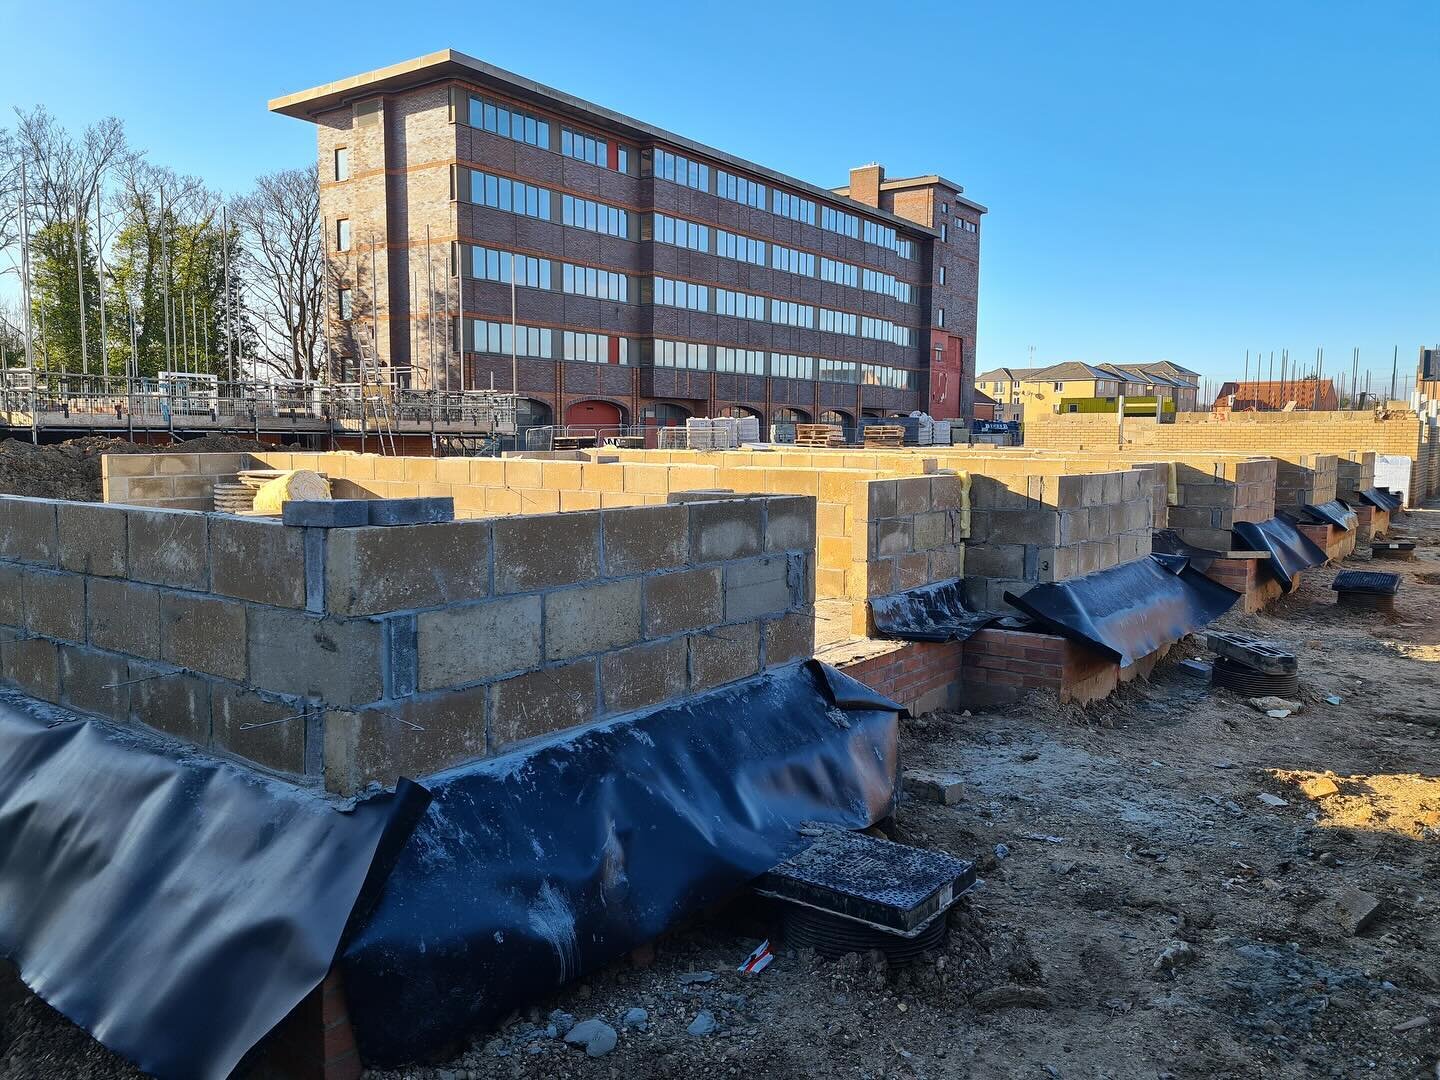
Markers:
point(64, 172)
point(282, 267)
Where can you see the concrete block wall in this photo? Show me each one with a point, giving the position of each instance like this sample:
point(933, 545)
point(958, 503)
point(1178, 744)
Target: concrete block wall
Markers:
point(1354, 472)
point(173, 481)
point(346, 656)
point(1302, 479)
point(848, 563)
point(1339, 433)
point(1026, 529)
point(1213, 494)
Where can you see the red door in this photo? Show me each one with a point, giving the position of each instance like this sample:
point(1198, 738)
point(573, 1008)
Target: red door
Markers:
point(598, 414)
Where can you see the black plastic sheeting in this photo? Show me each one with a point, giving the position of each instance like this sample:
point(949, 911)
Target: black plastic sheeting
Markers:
point(175, 907)
point(930, 613)
point(1129, 611)
point(1290, 550)
point(536, 867)
point(1334, 513)
point(1170, 542)
point(1382, 500)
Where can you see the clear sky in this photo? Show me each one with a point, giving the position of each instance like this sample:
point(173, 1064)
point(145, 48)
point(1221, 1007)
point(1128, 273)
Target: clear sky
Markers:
point(1164, 180)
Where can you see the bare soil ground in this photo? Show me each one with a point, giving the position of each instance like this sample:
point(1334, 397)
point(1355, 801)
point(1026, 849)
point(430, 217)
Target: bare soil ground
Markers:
point(71, 470)
point(1151, 916)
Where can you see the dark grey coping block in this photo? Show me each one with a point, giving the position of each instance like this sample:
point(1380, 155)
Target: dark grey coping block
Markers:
point(327, 513)
point(424, 511)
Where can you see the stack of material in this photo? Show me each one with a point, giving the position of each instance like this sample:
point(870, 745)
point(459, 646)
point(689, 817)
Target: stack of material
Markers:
point(884, 435)
point(673, 438)
point(747, 429)
point(942, 433)
point(783, 431)
point(925, 428)
point(1251, 666)
point(700, 434)
point(234, 498)
point(818, 435)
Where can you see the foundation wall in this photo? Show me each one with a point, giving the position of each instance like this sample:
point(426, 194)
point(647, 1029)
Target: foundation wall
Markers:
point(1249, 578)
point(1345, 434)
point(357, 654)
point(874, 534)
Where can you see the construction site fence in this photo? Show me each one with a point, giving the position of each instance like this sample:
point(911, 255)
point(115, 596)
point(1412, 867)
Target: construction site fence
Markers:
point(109, 401)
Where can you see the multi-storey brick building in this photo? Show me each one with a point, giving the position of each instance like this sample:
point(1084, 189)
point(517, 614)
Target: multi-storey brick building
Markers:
point(648, 277)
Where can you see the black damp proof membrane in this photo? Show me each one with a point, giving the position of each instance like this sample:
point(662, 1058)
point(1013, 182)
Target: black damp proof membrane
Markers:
point(1128, 611)
point(884, 885)
point(1335, 512)
point(930, 613)
point(536, 867)
point(1381, 500)
point(1290, 550)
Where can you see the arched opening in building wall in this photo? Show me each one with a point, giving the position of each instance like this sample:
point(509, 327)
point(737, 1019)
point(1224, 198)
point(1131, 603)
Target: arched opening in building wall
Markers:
point(595, 414)
point(791, 416)
point(664, 414)
point(738, 411)
point(841, 419)
point(531, 413)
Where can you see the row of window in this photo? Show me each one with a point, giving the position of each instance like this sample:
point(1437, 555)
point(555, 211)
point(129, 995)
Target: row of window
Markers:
point(681, 233)
point(741, 248)
point(523, 127)
point(886, 237)
point(601, 284)
point(789, 313)
point(516, 196)
point(490, 264)
point(792, 260)
point(876, 281)
point(884, 330)
point(841, 273)
point(584, 147)
point(739, 304)
point(792, 206)
point(738, 189)
point(681, 294)
point(681, 170)
point(837, 322)
point(508, 122)
point(537, 343)
point(595, 216)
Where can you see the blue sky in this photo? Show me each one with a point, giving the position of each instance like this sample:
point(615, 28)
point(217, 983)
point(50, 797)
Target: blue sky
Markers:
point(1165, 180)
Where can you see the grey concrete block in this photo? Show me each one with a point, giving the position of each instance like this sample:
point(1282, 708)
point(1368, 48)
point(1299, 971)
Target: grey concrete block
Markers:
point(423, 511)
point(327, 513)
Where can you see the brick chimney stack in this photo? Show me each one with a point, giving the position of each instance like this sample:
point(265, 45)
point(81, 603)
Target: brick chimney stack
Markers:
point(865, 183)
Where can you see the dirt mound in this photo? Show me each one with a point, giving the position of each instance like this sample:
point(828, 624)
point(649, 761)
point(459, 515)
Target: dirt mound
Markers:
point(71, 470)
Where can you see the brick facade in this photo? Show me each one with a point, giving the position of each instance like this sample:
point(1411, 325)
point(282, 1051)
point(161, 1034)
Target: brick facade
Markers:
point(411, 148)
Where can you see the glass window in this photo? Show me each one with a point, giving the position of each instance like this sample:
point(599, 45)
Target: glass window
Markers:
point(838, 322)
point(502, 193)
point(741, 248)
point(790, 366)
point(682, 354)
point(342, 234)
point(681, 233)
point(793, 206)
point(681, 170)
point(839, 272)
point(944, 232)
point(342, 163)
point(510, 123)
point(796, 262)
point(601, 284)
point(942, 275)
point(739, 304)
point(839, 221)
point(940, 317)
point(533, 342)
point(789, 313)
point(343, 297)
point(740, 361)
point(490, 264)
point(681, 294)
point(738, 189)
point(841, 371)
point(595, 216)
point(584, 147)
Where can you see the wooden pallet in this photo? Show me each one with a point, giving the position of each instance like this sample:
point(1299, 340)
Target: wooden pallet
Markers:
point(884, 435)
point(818, 435)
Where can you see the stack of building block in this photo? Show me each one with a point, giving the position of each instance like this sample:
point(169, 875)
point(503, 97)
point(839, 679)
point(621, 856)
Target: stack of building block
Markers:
point(1305, 479)
point(1212, 495)
point(1028, 529)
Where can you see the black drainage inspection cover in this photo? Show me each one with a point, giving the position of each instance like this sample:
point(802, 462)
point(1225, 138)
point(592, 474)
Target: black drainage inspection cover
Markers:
point(1368, 590)
point(849, 892)
point(1228, 674)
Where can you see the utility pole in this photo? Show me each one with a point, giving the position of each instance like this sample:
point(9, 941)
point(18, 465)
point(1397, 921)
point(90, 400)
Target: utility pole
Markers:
point(25, 269)
point(165, 266)
point(229, 321)
point(100, 278)
point(1394, 370)
point(80, 289)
